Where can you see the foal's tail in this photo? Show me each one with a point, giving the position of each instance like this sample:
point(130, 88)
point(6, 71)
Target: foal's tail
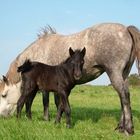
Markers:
point(27, 65)
point(135, 34)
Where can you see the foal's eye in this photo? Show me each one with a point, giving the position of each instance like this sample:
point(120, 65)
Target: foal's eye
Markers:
point(72, 62)
point(82, 62)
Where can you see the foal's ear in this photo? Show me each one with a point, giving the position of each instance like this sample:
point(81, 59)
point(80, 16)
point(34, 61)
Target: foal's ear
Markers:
point(83, 51)
point(5, 79)
point(71, 52)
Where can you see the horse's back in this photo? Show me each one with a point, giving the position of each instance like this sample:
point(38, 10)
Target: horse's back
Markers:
point(105, 44)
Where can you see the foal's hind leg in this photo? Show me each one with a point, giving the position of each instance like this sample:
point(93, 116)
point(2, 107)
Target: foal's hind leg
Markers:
point(45, 98)
point(28, 104)
point(122, 89)
point(20, 105)
point(57, 100)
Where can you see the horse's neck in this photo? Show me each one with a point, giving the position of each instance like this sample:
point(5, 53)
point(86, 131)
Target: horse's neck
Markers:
point(12, 74)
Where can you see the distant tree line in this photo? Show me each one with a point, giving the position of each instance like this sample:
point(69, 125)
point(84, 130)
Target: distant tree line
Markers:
point(134, 80)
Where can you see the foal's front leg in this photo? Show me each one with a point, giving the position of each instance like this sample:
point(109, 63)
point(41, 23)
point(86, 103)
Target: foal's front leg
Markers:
point(60, 111)
point(45, 98)
point(59, 106)
point(65, 105)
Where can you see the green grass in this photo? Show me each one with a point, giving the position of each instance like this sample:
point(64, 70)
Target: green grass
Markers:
point(95, 114)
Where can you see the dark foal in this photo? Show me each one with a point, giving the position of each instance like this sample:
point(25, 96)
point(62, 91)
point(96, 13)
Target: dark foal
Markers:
point(59, 79)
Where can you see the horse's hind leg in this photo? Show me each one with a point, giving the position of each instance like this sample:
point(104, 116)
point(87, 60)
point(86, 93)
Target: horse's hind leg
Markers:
point(125, 76)
point(45, 98)
point(126, 124)
point(121, 122)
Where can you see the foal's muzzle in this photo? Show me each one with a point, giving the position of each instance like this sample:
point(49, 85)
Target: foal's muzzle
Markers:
point(77, 76)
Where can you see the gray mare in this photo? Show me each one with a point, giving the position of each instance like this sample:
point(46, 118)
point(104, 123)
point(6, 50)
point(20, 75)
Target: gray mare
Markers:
point(110, 48)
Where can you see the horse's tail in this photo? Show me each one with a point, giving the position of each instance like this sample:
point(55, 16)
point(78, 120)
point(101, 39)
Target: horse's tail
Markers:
point(27, 65)
point(135, 34)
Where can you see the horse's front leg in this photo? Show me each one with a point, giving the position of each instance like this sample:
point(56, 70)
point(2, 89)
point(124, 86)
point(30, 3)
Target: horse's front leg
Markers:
point(45, 99)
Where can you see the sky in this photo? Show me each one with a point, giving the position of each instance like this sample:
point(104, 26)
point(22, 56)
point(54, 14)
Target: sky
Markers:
point(22, 20)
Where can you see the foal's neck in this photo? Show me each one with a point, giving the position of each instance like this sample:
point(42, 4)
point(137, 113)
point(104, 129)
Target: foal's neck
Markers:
point(68, 70)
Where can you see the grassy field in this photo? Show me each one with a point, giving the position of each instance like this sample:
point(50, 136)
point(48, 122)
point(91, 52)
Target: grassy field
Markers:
point(95, 114)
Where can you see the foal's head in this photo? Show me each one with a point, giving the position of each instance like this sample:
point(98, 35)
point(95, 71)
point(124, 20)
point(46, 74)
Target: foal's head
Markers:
point(77, 60)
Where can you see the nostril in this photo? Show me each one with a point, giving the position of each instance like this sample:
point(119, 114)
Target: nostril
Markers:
point(4, 95)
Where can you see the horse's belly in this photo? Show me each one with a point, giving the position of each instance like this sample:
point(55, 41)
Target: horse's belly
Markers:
point(90, 74)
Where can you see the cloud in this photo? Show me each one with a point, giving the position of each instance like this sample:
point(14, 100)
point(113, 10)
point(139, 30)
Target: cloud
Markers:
point(90, 15)
point(69, 12)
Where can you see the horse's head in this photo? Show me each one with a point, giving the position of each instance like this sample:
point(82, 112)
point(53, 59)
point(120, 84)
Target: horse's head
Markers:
point(77, 59)
point(9, 94)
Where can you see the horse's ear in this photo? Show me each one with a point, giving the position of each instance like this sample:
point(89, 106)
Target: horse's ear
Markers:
point(83, 51)
point(5, 80)
point(71, 52)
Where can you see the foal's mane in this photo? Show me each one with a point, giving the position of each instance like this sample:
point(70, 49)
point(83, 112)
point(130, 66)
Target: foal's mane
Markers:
point(26, 66)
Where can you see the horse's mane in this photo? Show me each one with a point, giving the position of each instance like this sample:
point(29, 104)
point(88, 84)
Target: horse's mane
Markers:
point(12, 74)
point(45, 31)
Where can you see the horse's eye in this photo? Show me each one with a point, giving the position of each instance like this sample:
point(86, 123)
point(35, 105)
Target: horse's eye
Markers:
point(4, 95)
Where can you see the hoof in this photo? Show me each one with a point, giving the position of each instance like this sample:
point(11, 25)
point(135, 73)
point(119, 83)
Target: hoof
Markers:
point(120, 129)
point(46, 118)
point(57, 122)
point(129, 132)
point(18, 116)
point(68, 126)
point(29, 118)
